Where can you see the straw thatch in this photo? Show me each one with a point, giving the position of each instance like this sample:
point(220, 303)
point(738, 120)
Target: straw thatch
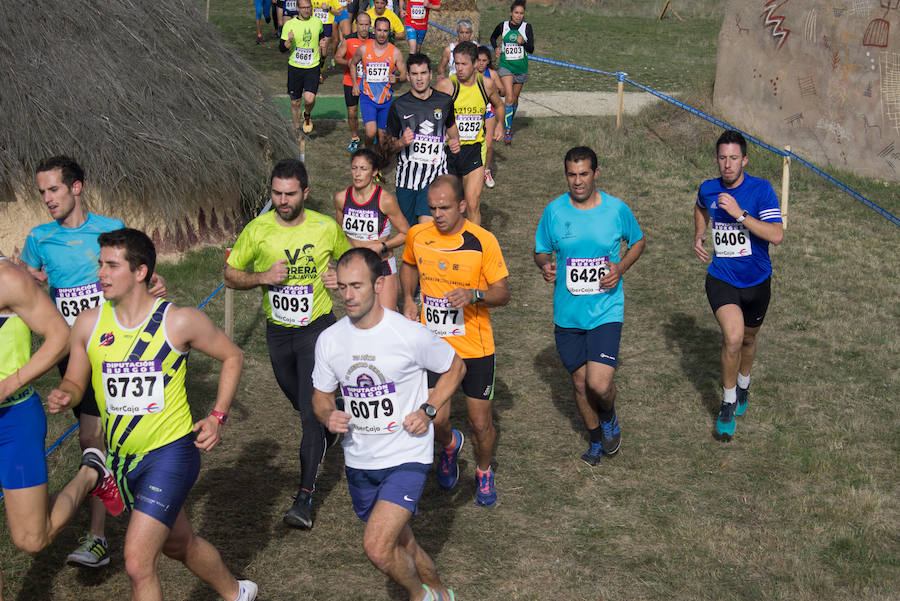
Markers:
point(173, 128)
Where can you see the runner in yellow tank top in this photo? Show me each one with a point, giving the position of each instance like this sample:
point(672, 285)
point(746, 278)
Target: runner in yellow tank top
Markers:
point(139, 344)
point(471, 95)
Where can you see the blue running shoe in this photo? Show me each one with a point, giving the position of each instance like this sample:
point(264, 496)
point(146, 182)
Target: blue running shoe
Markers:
point(448, 468)
point(610, 436)
point(594, 454)
point(486, 494)
point(743, 400)
point(353, 145)
point(725, 423)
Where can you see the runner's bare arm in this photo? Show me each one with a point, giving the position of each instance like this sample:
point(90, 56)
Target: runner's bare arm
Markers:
point(496, 295)
point(547, 265)
point(409, 279)
point(768, 231)
point(78, 370)
point(340, 53)
point(326, 412)
point(616, 270)
point(701, 221)
point(245, 280)
point(445, 61)
point(497, 103)
point(390, 207)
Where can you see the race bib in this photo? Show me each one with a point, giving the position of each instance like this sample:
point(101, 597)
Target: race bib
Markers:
point(321, 14)
point(377, 72)
point(371, 408)
point(469, 127)
point(359, 70)
point(731, 240)
point(133, 387)
point(513, 52)
point(360, 224)
point(291, 304)
point(441, 318)
point(417, 12)
point(304, 56)
point(290, 6)
point(427, 149)
point(583, 275)
point(74, 300)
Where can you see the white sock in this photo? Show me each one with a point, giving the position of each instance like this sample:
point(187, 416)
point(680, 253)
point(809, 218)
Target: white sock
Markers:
point(730, 395)
point(743, 381)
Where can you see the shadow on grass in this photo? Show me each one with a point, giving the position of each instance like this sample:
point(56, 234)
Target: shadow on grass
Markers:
point(699, 348)
point(241, 507)
point(548, 366)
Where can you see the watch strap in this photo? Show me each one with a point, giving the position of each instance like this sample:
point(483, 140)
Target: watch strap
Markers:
point(221, 417)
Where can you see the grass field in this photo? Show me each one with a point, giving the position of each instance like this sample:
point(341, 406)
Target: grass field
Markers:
point(802, 504)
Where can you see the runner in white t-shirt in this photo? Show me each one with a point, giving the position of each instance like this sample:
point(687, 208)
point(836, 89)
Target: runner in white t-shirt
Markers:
point(379, 359)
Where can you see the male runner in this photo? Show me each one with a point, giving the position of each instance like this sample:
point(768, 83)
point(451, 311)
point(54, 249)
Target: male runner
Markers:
point(415, 20)
point(133, 349)
point(472, 94)
point(419, 124)
point(325, 11)
point(64, 253)
point(463, 34)
point(380, 8)
point(289, 249)
point(462, 273)
point(300, 36)
point(383, 65)
point(745, 219)
point(513, 41)
point(583, 230)
point(33, 517)
point(342, 56)
point(379, 360)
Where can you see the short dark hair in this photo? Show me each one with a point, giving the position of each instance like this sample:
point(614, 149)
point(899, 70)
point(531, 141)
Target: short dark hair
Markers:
point(385, 19)
point(371, 258)
point(454, 182)
point(581, 153)
point(139, 248)
point(71, 170)
point(366, 153)
point(731, 136)
point(290, 169)
point(517, 3)
point(418, 59)
point(469, 49)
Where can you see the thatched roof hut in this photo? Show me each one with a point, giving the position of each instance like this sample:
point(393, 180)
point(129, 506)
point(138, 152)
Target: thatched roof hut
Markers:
point(174, 130)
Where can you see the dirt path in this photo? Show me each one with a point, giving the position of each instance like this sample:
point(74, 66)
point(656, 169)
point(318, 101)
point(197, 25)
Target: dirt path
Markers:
point(549, 104)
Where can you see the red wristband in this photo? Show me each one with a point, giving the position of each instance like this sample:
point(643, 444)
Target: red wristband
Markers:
point(222, 417)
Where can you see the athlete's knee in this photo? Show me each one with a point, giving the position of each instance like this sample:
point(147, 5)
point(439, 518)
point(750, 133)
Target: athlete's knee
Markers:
point(31, 542)
point(732, 342)
point(602, 388)
point(749, 339)
point(481, 425)
point(379, 551)
point(138, 565)
point(177, 547)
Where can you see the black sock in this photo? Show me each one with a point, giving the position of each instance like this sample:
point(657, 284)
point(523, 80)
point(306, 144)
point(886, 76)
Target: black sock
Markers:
point(606, 416)
point(595, 434)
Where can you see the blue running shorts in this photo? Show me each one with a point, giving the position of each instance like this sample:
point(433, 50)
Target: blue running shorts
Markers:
point(23, 429)
point(600, 345)
point(401, 485)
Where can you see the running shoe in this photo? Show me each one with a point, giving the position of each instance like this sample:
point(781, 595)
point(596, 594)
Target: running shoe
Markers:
point(725, 422)
point(488, 179)
point(743, 399)
point(91, 553)
point(486, 494)
point(508, 137)
point(610, 435)
point(593, 455)
point(307, 123)
point(258, 40)
point(106, 488)
point(300, 513)
point(353, 145)
point(247, 590)
point(448, 468)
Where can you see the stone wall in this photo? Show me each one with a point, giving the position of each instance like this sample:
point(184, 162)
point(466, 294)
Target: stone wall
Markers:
point(822, 76)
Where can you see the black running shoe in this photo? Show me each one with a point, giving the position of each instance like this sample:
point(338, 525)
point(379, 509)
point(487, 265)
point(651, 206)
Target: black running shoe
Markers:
point(300, 513)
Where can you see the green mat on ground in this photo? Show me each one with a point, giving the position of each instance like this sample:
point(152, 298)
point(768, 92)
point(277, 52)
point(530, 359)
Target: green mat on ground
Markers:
point(326, 107)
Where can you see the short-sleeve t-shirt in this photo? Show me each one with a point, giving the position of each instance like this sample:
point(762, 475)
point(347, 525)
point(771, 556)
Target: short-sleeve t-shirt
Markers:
point(469, 259)
point(382, 378)
point(304, 52)
point(322, 10)
point(580, 239)
point(396, 24)
point(307, 247)
point(69, 255)
point(417, 12)
point(740, 257)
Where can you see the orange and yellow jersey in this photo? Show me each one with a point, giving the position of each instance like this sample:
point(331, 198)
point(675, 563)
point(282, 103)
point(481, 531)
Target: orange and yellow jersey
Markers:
point(469, 259)
point(377, 69)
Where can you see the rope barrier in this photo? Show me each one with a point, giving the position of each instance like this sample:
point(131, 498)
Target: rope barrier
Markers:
point(622, 76)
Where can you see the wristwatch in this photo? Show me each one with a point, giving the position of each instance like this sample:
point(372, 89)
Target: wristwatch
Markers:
point(477, 295)
point(742, 217)
point(222, 417)
point(429, 410)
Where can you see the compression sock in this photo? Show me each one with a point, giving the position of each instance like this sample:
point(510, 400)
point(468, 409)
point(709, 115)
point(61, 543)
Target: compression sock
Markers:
point(507, 119)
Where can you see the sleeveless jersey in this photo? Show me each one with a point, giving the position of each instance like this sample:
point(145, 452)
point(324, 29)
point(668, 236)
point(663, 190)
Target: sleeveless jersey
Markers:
point(138, 379)
point(470, 105)
point(353, 42)
point(365, 221)
point(513, 56)
point(377, 69)
point(15, 339)
point(304, 52)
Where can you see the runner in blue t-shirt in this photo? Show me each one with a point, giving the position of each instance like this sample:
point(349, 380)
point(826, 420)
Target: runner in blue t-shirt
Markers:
point(64, 253)
point(582, 232)
point(745, 219)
